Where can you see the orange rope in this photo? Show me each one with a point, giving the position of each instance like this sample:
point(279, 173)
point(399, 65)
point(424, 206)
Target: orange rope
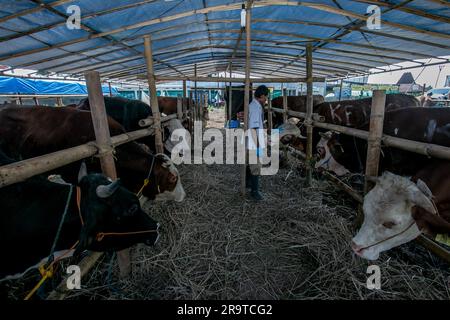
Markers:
point(101, 235)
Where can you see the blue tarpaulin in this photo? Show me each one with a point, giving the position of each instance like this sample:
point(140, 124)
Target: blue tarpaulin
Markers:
point(10, 85)
point(208, 34)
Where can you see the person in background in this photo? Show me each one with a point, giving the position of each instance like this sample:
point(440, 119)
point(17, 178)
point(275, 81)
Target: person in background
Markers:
point(256, 143)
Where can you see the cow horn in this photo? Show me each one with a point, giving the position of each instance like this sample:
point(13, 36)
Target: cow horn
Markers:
point(108, 190)
point(83, 172)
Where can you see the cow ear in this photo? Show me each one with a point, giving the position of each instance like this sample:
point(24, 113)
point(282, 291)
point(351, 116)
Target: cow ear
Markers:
point(417, 197)
point(424, 188)
point(83, 172)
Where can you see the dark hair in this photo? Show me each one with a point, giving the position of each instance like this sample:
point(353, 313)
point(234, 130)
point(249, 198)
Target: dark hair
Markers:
point(261, 91)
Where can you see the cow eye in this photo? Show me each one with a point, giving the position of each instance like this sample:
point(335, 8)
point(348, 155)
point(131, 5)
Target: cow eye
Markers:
point(389, 224)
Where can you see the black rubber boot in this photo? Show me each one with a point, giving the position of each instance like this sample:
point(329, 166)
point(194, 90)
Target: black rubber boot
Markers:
point(248, 175)
point(255, 194)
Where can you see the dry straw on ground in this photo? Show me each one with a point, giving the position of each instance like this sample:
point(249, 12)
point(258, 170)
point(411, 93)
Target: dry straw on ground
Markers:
point(292, 245)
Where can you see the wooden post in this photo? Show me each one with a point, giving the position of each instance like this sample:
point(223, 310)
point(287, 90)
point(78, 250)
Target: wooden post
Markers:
point(375, 134)
point(230, 95)
point(205, 106)
point(191, 113)
point(185, 103)
point(285, 106)
point(309, 111)
point(340, 90)
point(153, 97)
point(104, 144)
point(195, 94)
point(247, 88)
point(179, 107)
point(36, 101)
point(110, 89)
point(269, 116)
point(59, 102)
point(20, 101)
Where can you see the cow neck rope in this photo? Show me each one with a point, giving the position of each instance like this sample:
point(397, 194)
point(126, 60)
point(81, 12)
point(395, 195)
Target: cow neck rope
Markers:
point(48, 272)
point(388, 238)
point(147, 180)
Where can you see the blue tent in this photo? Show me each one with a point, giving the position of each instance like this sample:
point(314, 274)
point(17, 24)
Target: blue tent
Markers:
point(208, 34)
point(10, 85)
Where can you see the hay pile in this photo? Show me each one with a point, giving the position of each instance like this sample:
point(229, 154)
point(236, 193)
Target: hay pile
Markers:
point(292, 245)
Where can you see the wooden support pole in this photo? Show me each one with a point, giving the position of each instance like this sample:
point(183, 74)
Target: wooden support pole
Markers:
point(340, 90)
point(36, 101)
point(153, 96)
point(285, 106)
point(230, 94)
point(269, 116)
point(180, 107)
point(191, 113)
point(185, 103)
point(100, 122)
point(309, 111)
point(104, 144)
point(205, 107)
point(195, 94)
point(110, 89)
point(247, 88)
point(59, 102)
point(375, 134)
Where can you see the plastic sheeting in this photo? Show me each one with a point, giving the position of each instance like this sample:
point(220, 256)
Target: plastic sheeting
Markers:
point(279, 35)
point(9, 85)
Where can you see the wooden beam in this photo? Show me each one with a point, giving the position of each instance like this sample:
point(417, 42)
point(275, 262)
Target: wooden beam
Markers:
point(351, 14)
point(248, 31)
point(309, 111)
point(104, 143)
point(269, 116)
point(285, 106)
point(179, 108)
point(230, 93)
point(409, 10)
point(237, 80)
point(375, 134)
point(220, 8)
point(153, 96)
point(32, 10)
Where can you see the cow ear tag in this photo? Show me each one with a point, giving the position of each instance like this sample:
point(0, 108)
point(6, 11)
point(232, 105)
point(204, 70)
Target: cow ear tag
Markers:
point(424, 189)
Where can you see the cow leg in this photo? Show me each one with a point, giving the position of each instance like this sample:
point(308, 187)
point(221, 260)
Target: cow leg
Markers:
point(123, 259)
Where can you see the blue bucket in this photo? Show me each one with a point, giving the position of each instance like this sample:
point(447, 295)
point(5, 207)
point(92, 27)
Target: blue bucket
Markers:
point(232, 124)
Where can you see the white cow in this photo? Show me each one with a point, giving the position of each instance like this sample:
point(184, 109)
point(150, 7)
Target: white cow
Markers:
point(388, 217)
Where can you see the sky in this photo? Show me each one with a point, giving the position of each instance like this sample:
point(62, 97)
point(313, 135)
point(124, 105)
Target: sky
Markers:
point(428, 75)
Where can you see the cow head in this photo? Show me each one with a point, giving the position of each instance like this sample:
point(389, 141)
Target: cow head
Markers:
point(329, 150)
point(107, 207)
point(355, 116)
point(165, 182)
point(388, 218)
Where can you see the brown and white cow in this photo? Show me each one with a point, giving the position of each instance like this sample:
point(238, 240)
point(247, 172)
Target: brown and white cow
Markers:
point(399, 209)
point(35, 131)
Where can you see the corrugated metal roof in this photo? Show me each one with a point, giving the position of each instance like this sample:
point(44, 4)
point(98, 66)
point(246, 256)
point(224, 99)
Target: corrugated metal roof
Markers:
point(34, 35)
